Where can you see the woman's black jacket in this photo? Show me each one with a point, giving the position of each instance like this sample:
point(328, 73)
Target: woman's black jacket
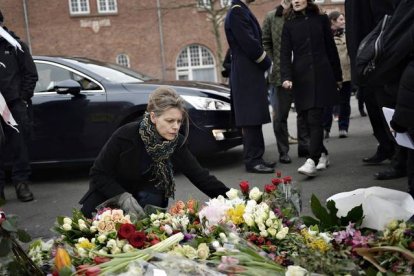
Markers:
point(121, 164)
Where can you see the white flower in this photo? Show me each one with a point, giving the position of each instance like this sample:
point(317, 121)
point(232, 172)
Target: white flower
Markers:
point(81, 240)
point(127, 248)
point(120, 243)
point(101, 238)
point(325, 237)
point(168, 229)
point(248, 219)
point(67, 227)
point(83, 227)
point(272, 214)
point(82, 252)
point(156, 223)
point(269, 222)
point(312, 232)
point(232, 194)
point(81, 221)
point(67, 221)
point(294, 270)
point(282, 233)
point(223, 237)
point(93, 229)
point(233, 238)
point(203, 251)
point(272, 231)
point(216, 244)
point(103, 251)
point(111, 243)
point(261, 226)
point(264, 233)
point(255, 194)
point(116, 250)
point(153, 217)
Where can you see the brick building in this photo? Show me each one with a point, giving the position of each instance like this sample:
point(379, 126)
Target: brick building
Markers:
point(170, 39)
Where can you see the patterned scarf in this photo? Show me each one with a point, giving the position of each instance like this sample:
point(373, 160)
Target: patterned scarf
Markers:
point(160, 151)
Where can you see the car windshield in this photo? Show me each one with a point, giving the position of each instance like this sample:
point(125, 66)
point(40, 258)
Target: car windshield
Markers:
point(111, 72)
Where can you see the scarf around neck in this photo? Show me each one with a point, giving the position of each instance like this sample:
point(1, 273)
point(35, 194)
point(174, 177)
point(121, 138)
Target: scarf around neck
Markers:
point(160, 151)
point(12, 41)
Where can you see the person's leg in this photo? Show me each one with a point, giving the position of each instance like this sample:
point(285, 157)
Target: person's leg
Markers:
point(385, 149)
point(316, 146)
point(360, 97)
point(253, 149)
point(344, 106)
point(284, 100)
point(2, 160)
point(327, 120)
point(18, 141)
point(303, 134)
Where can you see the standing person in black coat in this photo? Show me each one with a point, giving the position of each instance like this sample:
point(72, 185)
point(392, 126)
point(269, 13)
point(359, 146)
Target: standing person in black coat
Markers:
point(313, 73)
point(137, 163)
point(18, 76)
point(249, 63)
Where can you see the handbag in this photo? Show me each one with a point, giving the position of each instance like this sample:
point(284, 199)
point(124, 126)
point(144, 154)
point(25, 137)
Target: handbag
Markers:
point(370, 51)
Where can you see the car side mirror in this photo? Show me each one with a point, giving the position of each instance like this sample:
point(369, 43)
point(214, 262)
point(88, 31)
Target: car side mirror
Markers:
point(67, 87)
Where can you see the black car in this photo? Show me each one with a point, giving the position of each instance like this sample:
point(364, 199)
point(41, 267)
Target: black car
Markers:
point(78, 103)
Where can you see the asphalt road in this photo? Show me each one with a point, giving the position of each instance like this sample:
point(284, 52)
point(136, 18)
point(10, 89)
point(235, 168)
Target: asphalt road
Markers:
point(57, 191)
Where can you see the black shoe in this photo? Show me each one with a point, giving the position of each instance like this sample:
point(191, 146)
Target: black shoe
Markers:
point(390, 173)
point(260, 168)
point(375, 159)
point(269, 164)
point(23, 192)
point(285, 159)
point(326, 134)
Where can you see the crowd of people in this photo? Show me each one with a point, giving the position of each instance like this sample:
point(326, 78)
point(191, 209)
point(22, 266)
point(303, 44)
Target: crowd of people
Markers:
point(300, 54)
point(313, 64)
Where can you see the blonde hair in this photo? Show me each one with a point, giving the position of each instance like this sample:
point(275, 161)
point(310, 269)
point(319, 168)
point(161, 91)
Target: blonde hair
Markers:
point(164, 98)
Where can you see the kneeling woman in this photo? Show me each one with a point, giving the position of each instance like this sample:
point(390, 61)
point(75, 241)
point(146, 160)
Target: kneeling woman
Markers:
point(138, 160)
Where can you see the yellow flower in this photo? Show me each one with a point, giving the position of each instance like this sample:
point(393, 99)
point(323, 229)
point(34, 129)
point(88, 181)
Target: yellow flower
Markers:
point(62, 259)
point(314, 242)
point(84, 243)
point(236, 214)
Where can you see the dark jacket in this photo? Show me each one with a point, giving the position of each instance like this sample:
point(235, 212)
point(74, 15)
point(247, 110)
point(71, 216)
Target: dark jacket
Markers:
point(249, 62)
point(361, 18)
point(18, 74)
point(121, 164)
point(315, 68)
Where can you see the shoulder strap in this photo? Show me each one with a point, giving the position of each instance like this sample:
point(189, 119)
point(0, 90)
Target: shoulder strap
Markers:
point(235, 6)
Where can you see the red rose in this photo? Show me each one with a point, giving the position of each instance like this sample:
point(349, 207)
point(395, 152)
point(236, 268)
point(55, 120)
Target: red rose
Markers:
point(278, 173)
point(137, 239)
point(154, 241)
point(244, 186)
point(126, 230)
point(287, 179)
point(269, 188)
point(2, 216)
point(276, 181)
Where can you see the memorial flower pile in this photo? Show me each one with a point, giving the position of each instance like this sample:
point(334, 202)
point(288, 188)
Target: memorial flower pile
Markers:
point(250, 231)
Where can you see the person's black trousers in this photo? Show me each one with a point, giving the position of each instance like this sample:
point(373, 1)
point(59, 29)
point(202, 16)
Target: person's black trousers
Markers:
point(314, 121)
point(15, 146)
point(284, 99)
point(253, 146)
point(375, 98)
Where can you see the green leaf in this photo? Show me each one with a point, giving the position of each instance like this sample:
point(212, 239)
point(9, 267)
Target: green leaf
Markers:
point(59, 220)
point(6, 225)
point(66, 271)
point(333, 217)
point(308, 221)
point(23, 236)
point(5, 247)
point(356, 214)
point(318, 210)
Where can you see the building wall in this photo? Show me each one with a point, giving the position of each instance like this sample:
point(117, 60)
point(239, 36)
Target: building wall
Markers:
point(133, 30)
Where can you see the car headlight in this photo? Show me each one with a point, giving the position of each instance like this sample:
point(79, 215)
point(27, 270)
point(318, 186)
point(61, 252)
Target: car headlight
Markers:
point(202, 103)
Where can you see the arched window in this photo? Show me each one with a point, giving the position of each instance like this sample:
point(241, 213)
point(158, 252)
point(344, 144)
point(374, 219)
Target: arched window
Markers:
point(196, 62)
point(122, 59)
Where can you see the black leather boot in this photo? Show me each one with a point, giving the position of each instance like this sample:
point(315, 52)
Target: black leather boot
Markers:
point(23, 192)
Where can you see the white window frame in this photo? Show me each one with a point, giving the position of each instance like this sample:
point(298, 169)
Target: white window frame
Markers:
point(106, 11)
point(319, 1)
point(79, 12)
point(204, 4)
point(128, 65)
point(337, 1)
point(188, 70)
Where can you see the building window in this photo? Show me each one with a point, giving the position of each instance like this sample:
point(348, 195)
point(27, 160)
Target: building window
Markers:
point(107, 6)
point(79, 6)
point(319, 1)
point(337, 1)
point(204, 4)
point(225, 3)
point(122, 59)
point(196, 62)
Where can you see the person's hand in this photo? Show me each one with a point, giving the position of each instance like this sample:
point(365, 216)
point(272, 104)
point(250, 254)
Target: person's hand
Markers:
point(126, 202)
point(339, 85)
point(287, 84)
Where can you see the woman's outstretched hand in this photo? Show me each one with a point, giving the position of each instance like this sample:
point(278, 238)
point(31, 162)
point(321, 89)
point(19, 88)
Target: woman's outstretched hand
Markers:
point(287, 84)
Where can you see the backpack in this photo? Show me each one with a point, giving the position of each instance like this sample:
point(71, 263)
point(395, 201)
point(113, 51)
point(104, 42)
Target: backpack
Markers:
point(370, 51)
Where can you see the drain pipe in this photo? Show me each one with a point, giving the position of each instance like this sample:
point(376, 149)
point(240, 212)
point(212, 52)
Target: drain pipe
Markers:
point(26, 23)
point(161, 39)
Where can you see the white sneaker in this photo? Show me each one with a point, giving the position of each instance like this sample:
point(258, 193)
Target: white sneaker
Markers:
point(308, 168)
point(323, 162)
